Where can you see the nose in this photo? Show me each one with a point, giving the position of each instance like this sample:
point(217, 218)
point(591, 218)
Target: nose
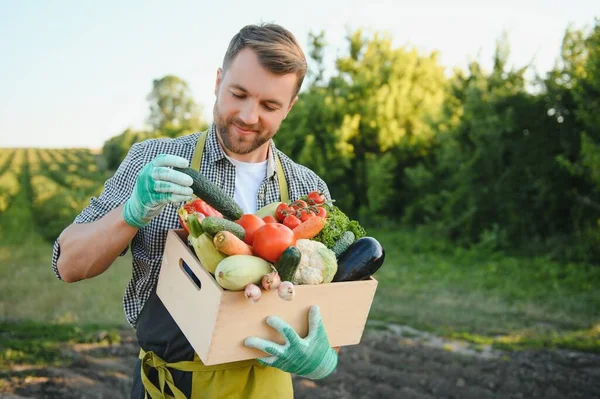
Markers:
point(249, 113)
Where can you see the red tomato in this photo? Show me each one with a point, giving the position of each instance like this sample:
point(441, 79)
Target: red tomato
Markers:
point(270, 219)
point(316, 198)
point(271, 240)
point(292, 221)
point(307, 215)
point(282, 211)
point(321, 212)
point(299, 204)
point(250, 223)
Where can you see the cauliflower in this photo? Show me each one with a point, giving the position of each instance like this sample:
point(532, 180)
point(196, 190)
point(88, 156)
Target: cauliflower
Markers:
point(317, 263)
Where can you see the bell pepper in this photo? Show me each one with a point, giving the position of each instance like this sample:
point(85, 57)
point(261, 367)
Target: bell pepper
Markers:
point(197, 207)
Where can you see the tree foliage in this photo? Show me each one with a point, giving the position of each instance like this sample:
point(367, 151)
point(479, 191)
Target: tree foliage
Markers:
point(483, 155)
point(172, 113)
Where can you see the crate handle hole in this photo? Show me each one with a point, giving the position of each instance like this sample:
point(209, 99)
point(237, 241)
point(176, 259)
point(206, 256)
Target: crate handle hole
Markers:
point(186, 269)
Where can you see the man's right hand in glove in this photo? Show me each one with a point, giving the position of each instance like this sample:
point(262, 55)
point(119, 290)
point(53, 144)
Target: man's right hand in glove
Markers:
point(157, 185)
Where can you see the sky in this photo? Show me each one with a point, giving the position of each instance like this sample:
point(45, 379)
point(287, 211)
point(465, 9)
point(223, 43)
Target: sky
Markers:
point(76, 73)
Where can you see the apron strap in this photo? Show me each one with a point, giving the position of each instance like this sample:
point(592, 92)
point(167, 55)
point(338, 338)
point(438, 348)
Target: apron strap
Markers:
point(283, 187)
point(152, 360)
point(197, 157)
point(197, 164)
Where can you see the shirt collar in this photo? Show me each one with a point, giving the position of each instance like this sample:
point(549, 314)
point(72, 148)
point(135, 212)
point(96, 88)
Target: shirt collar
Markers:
point(214, 152)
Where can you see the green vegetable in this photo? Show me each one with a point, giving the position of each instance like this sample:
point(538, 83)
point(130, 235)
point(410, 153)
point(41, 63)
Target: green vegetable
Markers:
point(343, 243)
point(205, 250)
point(213, 195)
point(337, 224)
point(213, 224)
point(288, 263)
point(194, 225)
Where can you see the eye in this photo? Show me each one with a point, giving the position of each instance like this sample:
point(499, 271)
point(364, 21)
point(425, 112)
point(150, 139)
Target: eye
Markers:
point(238, 95)
point(268, 108)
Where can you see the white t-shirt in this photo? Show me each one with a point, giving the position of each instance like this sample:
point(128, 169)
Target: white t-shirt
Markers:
point(248, 178)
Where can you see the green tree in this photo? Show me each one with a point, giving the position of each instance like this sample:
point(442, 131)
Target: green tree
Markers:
point(115, 149)
point(574, 99)
point(380, 100)
point(173, 111)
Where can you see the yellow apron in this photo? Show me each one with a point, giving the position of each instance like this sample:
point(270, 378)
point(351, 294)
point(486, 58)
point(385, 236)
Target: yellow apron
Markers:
point(246, 379)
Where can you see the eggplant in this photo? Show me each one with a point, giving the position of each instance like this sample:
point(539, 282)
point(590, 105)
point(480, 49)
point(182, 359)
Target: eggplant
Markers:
point(363, 258)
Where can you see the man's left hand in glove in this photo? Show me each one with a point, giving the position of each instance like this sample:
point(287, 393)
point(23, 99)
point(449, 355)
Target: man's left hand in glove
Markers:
point(311, 357)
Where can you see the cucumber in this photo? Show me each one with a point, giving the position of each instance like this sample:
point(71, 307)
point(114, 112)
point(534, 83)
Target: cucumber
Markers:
point(213, 224)
point(213, 194)
point(236, 271)
point(288, 263)
point(343, 243)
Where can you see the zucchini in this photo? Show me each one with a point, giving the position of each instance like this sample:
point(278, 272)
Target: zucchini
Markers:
point(237, 271)
point(213, 224)
point(343, 243)
point(213, 194)
point(208, 255)
point(288, 263)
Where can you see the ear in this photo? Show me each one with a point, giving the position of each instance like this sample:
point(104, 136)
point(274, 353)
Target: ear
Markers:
point(219, 79)
point(290, 107)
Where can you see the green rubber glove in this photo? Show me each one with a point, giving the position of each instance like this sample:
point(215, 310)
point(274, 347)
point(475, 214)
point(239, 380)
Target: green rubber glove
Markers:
point(157, 185)
point(311, 357)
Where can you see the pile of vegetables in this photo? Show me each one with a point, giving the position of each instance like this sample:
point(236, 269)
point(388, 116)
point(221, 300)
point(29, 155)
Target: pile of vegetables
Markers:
point(306, 241)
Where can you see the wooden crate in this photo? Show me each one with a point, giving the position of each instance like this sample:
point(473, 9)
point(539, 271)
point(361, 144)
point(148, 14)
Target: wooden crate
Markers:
point(216, 321)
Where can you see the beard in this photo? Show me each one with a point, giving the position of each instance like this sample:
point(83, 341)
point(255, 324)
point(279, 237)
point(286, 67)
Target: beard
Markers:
point(235, 143)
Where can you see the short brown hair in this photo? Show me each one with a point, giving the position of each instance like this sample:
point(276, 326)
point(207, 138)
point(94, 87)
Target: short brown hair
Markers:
point(276, 48)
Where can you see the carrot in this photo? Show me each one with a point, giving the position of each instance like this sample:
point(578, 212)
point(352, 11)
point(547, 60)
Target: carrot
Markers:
point(309, 228)
point(228, 243)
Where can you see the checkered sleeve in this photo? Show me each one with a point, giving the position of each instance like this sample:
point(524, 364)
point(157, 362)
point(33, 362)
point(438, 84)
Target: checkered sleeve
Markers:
point(322, 187)
point(117, 190)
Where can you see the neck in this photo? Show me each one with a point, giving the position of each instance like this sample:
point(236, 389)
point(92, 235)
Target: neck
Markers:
point(256, 156)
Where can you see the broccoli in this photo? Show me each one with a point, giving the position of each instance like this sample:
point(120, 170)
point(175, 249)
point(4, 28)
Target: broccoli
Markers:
point(338, 223)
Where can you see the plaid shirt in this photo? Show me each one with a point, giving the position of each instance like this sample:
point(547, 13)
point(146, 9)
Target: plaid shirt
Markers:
point(148, 244)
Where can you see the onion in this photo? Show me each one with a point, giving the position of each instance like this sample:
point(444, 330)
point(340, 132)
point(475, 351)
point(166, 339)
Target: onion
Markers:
point(286, 291)
point(252, 292)
point(271, 281)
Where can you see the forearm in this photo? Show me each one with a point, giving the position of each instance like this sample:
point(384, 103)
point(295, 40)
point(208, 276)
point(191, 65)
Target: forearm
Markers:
point(88, 249)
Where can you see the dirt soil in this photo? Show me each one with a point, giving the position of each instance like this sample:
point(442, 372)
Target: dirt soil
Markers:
point(394, 363)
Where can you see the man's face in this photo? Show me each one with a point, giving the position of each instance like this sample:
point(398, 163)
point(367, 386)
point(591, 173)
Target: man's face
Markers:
point(251, 103)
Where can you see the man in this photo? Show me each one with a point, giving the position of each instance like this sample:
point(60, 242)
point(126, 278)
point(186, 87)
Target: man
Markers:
point(255, 89)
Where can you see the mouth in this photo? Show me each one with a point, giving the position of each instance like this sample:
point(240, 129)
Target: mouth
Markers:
point(241, 131)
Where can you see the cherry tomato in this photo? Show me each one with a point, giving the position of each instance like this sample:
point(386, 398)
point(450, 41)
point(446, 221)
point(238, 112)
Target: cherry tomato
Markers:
point(250, 223)
point(321, 212)
point(282, 211)
point(307, 215)
point(299, 204)
point(316, 198)
point(271, 240)
point(270, 219)
point(292, 221)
